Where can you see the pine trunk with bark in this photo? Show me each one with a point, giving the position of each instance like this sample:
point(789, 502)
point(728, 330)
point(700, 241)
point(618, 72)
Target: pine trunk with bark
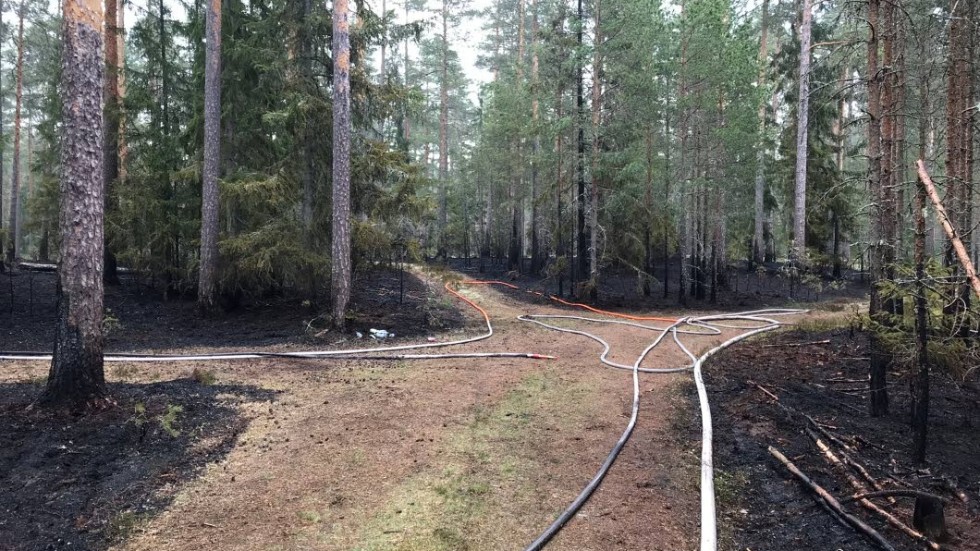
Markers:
point(582, 237)
point(758, 239)
point(596, 151)
point(959, 139)
point(444, 134)
point(802, 125)
point(309, 161)
point(537, 257)
point(406, 121)
point(516, 252)
point(13, 235)
point(207, 280)
point(110, 168)
point(920, 383)
point(839, 124)
point(879, 360)
point(559, 187)
point(3, 243)
point(122, 147)
point(340, 260)
point(76, 379)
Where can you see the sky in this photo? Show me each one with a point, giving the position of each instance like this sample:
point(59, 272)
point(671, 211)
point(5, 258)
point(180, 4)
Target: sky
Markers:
point(465, 39)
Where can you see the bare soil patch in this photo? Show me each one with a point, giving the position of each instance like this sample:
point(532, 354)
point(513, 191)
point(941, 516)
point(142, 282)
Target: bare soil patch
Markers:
point(764, 508)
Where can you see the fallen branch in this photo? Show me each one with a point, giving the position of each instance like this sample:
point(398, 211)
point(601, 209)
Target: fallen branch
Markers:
point(961, 254)
point(875, 485)
point(819, 427)
point(830, 502)
point(832, 458)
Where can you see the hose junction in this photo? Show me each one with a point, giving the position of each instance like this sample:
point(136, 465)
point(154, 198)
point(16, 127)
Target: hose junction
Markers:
point(673, 330)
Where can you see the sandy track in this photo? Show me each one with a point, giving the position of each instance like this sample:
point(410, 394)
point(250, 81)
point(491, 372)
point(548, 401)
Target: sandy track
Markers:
point(474, 454)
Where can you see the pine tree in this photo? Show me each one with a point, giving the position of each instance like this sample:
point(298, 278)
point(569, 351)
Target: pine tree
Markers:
point(207, 282)
point(76, 379)
point(340, 278)
point(13, 236)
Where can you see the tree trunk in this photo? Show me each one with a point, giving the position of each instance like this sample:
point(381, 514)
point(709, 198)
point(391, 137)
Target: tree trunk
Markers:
point(879, 357)
point(384, 41)
point(920, 384)
point(207, 282)
point(122, 148)
point(406, 124)
point(537, 261)
point(309, 181)
point(517, 180)
point(583, 242)
point(340, 271)
point(13, 235)
point(110, 169)
point(666, 222)
point(803, 111)
point(648, 213)
point(76, 380)
point(3, 243)
point(444, 133)
point(596, 147)
point(959, 141)
point(839, 125)
point(758, 240)
point(559, 190)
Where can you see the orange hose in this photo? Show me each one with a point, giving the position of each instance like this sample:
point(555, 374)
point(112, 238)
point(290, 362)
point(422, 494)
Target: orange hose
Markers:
point(613, 314)
point(486, 317)
point(554, 298)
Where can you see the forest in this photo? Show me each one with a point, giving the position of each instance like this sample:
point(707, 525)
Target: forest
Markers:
point(214, 213)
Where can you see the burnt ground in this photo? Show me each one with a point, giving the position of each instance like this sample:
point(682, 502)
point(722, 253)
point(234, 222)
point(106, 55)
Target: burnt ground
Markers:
point(771, 285)
point(140, 319)
point(84, 482)
point(320, 466)
point(763, 507)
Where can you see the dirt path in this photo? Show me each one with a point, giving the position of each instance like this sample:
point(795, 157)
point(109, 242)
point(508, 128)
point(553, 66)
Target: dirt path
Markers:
point(429, 455)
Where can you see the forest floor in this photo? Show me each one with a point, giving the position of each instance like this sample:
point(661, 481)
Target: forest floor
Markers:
point(422, 455)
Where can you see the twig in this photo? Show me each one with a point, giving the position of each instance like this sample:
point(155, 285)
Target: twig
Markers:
point(893, 493)
point(828, 500)
point(765, 390)
point(789, 344)
point(832, 458)
point(842, 380)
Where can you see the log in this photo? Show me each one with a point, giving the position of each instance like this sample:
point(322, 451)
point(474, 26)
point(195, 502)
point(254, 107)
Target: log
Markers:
point(829, 501)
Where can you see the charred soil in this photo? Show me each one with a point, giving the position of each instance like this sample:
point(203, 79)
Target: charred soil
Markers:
point(84, 482)
point(824, 375)
point(138, 317)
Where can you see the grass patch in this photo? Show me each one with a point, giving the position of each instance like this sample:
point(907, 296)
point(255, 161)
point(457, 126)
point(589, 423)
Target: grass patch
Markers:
point(205, 377)
point(478, 497)
point(125, 372)
point(311, 517)
point(124, 525)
